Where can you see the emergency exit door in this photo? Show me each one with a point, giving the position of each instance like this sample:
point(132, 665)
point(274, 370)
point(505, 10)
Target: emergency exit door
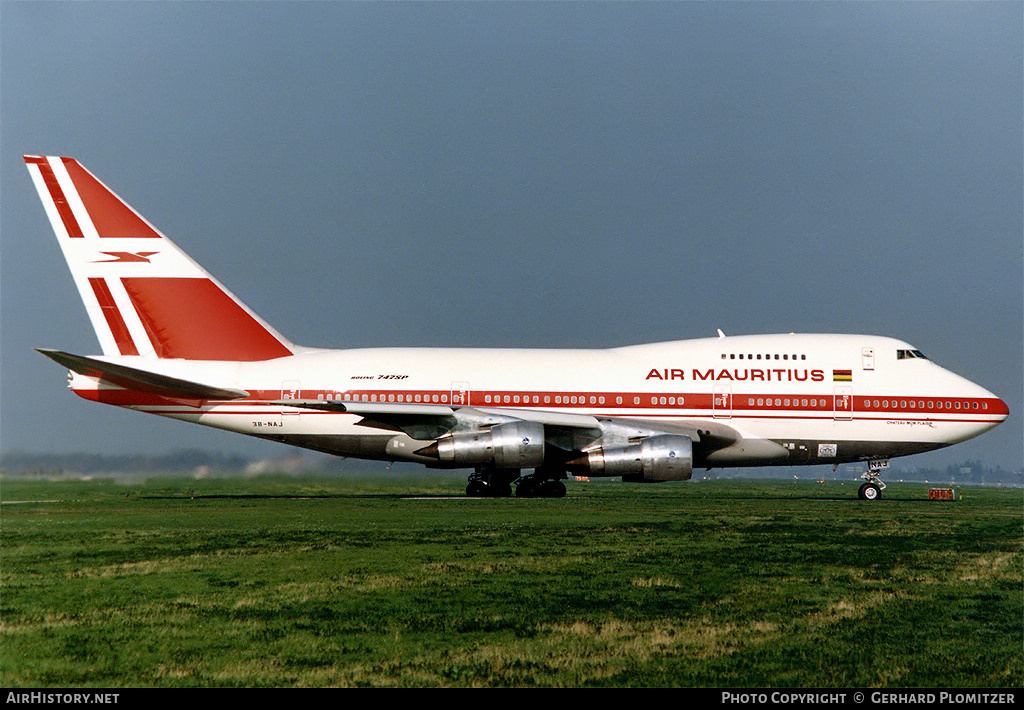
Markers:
point(291, 389)
point(460, 393)
point(843, 396)
point(722, 401)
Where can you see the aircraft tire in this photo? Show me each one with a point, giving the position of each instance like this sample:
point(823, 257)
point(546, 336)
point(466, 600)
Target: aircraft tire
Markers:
point(552, 489)
point(527, 488)
point(499, 490)
point(476, 489)
point(869, 491)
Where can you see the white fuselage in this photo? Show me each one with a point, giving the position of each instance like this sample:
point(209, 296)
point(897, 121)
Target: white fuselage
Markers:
point(822, 398)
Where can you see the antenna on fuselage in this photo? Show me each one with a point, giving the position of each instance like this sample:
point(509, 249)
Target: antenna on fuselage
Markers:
point(720, 333)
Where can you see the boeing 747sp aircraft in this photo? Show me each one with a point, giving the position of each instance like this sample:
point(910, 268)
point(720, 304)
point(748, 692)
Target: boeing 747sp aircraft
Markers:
point(176, 343)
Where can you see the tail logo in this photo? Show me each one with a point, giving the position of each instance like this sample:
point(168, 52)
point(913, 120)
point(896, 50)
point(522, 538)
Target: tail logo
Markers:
point(126, 257)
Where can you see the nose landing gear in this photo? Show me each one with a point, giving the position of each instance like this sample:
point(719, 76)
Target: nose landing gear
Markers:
point(872, 489)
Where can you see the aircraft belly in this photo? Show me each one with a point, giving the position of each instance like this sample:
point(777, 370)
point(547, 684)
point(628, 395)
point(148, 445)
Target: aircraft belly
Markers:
point(910, 431)
point(830, 441)
point(374, 447)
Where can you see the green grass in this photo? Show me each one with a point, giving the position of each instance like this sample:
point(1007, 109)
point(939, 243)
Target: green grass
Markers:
point(343, 581)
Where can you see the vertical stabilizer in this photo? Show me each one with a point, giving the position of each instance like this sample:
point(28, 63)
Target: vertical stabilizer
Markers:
point(144, 295)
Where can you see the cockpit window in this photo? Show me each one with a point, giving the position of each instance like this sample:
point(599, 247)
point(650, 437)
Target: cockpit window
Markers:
point(910, 355)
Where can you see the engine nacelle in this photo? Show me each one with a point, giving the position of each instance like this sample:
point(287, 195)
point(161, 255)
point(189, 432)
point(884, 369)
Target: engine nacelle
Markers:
point(655, 459)
point(511, 445)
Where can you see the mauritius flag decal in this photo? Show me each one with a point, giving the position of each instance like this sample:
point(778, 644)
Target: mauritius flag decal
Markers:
point(842, 375)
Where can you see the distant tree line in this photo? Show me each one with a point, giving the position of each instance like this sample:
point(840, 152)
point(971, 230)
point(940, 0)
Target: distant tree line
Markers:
point(184, 461)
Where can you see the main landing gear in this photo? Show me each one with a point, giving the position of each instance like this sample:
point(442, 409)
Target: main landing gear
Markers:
point(497, 483)
point(872, 489)
point(534, 487)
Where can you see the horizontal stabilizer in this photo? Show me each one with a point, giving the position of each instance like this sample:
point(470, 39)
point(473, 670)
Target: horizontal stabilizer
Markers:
point(141, 380)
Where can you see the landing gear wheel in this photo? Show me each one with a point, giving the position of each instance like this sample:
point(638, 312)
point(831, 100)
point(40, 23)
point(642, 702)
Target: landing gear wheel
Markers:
point(480, 489)
point(869, 491)
point(490, 483)
point(552, 489)
point(532, 487)
point(872, 490)
point(527, 488)
point(476, 489)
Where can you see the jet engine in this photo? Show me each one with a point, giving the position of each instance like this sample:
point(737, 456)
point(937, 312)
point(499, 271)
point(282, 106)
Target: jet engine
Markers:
point(655, 459)
point(511, 445)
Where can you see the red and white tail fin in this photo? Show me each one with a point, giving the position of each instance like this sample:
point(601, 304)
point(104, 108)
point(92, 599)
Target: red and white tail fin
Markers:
point(144, 295)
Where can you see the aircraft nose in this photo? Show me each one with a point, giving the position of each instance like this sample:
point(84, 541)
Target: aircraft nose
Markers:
point(1001, 409)
point(995, 407)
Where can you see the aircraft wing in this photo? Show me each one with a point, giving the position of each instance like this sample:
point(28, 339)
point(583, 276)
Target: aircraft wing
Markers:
point(573, 431)
point(141, 380)
point(430, 421)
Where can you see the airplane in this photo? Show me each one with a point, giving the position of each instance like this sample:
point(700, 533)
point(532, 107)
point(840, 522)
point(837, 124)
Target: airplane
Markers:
point(176, 343)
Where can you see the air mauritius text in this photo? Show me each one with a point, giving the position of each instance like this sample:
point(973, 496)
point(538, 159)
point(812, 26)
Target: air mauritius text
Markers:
point(777, 374)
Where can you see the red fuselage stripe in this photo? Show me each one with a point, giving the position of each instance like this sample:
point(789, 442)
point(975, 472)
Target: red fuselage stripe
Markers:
point(691, 404)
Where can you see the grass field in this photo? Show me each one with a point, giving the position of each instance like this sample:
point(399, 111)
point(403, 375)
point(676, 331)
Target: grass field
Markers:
point(342, 581)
